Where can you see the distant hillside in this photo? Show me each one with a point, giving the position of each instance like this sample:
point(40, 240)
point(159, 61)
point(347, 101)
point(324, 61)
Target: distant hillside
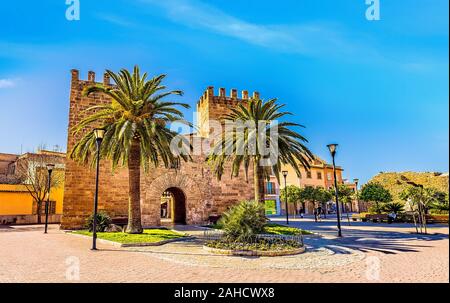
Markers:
point(392, 181)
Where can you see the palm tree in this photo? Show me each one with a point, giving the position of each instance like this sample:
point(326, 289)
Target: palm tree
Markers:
point(394, 207)
point(136, 132)
point(245, 147)
point(420, 200)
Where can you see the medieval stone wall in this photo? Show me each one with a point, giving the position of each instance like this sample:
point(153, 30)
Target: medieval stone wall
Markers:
point(205, 195)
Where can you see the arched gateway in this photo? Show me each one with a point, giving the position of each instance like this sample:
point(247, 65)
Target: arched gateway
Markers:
point(173, 198)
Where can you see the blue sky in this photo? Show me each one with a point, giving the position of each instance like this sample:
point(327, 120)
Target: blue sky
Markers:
point(379, 89)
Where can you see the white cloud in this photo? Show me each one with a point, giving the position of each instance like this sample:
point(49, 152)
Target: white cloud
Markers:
point(319, 39)
point(197, 14)
point(308, 39)
point(5, 83)
point(114, 19)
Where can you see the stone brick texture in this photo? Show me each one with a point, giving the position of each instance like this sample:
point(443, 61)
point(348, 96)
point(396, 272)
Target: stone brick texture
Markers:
point(204, 194)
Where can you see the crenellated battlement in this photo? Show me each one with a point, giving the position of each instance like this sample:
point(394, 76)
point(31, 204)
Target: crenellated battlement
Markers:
point(214, 106)
point(210, 96)
point(90, 77)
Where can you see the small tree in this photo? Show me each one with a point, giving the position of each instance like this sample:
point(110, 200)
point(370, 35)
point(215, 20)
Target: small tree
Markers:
point(308, 194)
point(323, 196)
point(375, 192)
point(31, 170)
point(345, 194)
point(421, 200)
point(315, 195)
point(293, 195)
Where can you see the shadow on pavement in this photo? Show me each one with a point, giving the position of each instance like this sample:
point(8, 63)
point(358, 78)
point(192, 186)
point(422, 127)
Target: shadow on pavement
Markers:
point(361, 236)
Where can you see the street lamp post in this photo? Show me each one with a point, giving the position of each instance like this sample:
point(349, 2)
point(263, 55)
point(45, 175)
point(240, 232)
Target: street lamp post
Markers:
point(332, 148)
point(356, 180)
point(285, 173)
point(50, 168)
point(99, 133)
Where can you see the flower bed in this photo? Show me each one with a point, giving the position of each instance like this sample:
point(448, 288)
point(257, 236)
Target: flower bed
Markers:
point(260, 246)
point(244, 231)
point(255, 253)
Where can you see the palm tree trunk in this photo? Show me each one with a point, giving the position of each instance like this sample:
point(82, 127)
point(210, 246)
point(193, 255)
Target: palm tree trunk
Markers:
point(258, 181)
point(134, 196)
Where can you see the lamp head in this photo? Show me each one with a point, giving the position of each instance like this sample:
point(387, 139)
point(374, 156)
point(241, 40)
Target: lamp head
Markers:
point(356, 180)
point(285, 173)
point(332, 148)
point(50, 167)
point(99, 133)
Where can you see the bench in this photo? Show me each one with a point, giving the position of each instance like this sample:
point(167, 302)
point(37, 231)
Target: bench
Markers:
point(120, 221)
point(437, 219)
point(379, 218)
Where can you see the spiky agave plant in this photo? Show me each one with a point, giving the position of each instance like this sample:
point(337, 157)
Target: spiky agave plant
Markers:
point(136, 130)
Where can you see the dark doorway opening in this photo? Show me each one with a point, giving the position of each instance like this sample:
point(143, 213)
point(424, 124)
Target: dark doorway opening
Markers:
point(173, 206)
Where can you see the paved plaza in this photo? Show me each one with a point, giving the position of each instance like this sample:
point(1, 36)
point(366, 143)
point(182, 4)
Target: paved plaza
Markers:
point(367, 253)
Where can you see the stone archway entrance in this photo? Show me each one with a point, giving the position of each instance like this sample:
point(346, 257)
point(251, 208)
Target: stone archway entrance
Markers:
point(173, 206)
point(189, 201)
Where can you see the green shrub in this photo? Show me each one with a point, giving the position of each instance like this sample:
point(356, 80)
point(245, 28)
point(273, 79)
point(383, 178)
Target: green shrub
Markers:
point(376, 208)
point(363, 215)
point(243, 221)
point(439, 211)
point(103, 222)
point(441, 207)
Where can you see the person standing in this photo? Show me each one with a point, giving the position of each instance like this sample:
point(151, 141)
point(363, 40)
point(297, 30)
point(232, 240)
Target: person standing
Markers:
point(319, 213)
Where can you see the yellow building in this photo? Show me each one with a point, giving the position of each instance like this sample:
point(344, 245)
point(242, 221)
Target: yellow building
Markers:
point(320, 174)
point(17, 205)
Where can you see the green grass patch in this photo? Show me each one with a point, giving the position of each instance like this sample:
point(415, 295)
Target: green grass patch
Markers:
point(148, 236)
point(277, 229)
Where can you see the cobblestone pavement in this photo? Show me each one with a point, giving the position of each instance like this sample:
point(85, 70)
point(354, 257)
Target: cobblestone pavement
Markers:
point(367, 253)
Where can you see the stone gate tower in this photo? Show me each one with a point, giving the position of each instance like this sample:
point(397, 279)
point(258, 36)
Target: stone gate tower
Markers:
point(197, 194)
